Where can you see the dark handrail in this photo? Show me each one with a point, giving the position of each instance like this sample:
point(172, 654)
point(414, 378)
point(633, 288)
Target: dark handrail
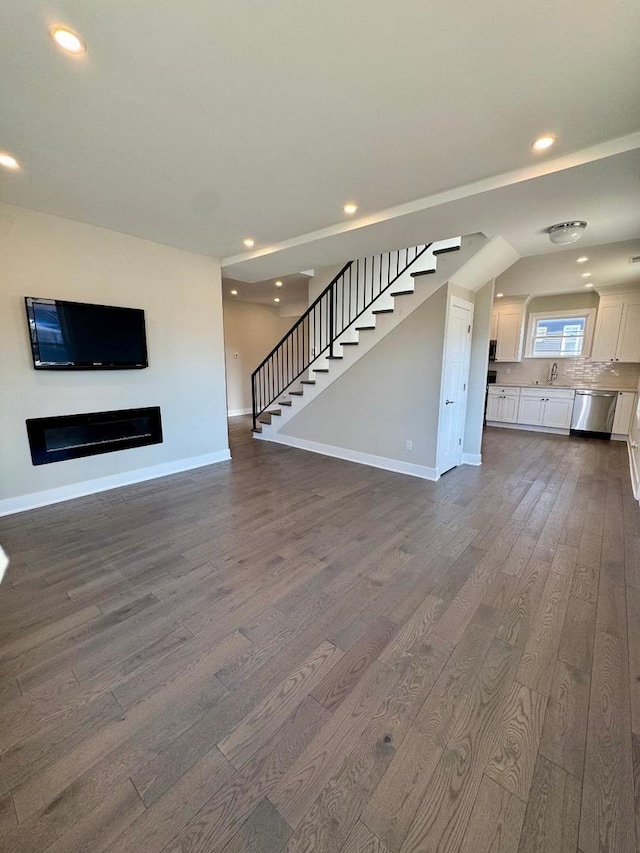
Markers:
point(308, 311)
point(339, 305)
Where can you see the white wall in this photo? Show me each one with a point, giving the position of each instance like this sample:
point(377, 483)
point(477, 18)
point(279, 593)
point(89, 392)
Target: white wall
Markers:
point(251, 331)
point(387, 397)
point(180, 292)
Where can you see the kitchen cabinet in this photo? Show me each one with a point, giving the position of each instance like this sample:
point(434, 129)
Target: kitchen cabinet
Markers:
point(507, 325)
point(530, 410)
point(546, 407)
point(624, 410)
point(616, 336)
point(502, 404)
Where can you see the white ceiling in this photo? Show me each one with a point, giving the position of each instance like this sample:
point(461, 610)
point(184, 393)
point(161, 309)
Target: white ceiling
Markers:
point(197, 124)
point(294, 292)
point(559, 272)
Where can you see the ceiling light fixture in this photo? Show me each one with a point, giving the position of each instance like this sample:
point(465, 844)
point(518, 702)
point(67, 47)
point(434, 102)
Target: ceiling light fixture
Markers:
point(589, 284)
point(249, 242)
point(543, 142)
point(278, 284)
point(69, 41)
point(585, 274)
point(499, 295)
point(582, 260)
point(566, 232)
point(276, 299)
point(8, 161)
point(350, 208)
point(234, 292)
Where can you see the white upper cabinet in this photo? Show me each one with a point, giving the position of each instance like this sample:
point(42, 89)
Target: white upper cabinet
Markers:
point(508, 325)
point(629, 342)
point(617, 335)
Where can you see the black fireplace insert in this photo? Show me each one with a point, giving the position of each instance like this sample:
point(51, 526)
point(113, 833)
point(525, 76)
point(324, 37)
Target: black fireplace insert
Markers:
point(72, 436)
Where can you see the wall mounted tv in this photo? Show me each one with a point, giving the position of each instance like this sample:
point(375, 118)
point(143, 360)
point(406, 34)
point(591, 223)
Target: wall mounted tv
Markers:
point(78, 336)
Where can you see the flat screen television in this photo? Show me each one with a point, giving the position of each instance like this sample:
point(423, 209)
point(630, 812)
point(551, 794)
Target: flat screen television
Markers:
point(78, 336)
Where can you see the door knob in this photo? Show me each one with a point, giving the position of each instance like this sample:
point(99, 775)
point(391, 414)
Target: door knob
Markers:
point(447, 402)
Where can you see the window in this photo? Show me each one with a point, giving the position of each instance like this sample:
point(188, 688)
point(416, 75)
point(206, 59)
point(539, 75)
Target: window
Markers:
point(560, 334)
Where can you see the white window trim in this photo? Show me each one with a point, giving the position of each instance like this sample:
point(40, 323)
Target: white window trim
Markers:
point(588, 313)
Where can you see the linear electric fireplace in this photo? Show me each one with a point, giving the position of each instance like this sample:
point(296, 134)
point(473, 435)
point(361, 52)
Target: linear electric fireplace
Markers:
point(72, 436)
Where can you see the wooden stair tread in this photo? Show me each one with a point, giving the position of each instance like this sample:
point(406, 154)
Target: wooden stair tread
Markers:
point(402, 292)
point(383, 311)
point(447, 249)
point(422, 272)
point(364, 328)
point(308, 382)
point(320, 369)
point(348, 343)
point(297, 393)
point(284, 402)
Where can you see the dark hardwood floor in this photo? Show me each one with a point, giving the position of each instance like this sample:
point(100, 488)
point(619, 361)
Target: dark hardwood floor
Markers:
point(288, 652)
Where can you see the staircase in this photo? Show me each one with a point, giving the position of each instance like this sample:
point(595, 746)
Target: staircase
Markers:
point(355, 303)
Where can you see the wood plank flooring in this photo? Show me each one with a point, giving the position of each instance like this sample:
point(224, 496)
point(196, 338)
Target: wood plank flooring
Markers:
point(289, 653)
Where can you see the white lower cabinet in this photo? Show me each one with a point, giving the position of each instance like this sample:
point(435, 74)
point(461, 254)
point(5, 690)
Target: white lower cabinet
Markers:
point(502, 405)
point(557, 413)
point(546, 407)
point(530, 410)
point(624, 410)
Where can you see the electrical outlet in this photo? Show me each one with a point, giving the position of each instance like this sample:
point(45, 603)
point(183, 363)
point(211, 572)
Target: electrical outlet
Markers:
point(408, 444)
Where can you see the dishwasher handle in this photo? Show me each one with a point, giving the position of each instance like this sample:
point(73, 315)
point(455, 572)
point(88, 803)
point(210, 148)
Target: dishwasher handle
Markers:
point(597, 393)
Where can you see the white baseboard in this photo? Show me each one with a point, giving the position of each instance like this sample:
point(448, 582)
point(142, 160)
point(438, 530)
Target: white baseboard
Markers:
point(472, 458)
point(234, 413)
point(103, 484)
point(395, 465)
point(529, 428)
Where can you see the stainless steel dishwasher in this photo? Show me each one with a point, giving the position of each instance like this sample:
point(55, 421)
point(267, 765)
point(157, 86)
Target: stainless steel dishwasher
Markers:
point(593, 413)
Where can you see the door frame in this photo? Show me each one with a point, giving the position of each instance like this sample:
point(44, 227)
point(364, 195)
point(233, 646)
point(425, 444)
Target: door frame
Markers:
point(461, 303)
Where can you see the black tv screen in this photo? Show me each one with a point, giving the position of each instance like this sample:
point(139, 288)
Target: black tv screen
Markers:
point(75, 335)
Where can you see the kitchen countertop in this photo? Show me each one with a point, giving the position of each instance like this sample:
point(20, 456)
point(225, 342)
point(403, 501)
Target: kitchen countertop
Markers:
point(584, 386)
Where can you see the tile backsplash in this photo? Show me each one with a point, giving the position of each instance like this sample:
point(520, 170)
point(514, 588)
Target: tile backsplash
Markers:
point(571, 371)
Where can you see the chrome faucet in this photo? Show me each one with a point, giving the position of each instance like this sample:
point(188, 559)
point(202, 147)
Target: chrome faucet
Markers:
point(553, 373)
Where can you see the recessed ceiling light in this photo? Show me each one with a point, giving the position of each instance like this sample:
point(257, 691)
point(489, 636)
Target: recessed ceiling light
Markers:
point(276, 299)
point(69, 41)
point(350, 208)
point(589, 284)
point(8, 161)
point(582, 260)
point(585, 274)
point(249, 243)
point(278, 284)
point(499, 295)
point(234, 292)
point(543, 142)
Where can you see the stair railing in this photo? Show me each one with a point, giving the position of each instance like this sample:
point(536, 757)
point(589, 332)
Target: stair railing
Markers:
point(353, 290)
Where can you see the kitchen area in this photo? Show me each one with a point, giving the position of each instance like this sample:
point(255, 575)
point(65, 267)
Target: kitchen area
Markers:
point(567, 363)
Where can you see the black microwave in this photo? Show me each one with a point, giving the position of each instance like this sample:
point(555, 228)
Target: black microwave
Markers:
point(493, 345)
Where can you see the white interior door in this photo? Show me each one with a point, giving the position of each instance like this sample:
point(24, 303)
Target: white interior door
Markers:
point(455, 375)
